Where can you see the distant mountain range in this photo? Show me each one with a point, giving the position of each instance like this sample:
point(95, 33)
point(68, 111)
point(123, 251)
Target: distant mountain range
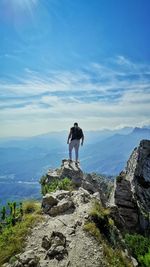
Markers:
point(56, 139)
point(110, 155)
point(26, 159)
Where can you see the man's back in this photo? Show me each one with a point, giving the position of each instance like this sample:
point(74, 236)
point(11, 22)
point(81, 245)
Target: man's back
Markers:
point(76, 132)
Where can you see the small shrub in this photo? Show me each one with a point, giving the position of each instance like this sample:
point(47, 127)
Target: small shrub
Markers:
point(145, 260)
point(139, 247)
point(10, 214)
point(44, 189)
point(63, 184)
point(3, 213)
point(43, 179)
point(137, 243)
point(52, 187)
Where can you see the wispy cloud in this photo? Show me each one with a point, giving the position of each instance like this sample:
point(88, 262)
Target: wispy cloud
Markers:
point(99, 95)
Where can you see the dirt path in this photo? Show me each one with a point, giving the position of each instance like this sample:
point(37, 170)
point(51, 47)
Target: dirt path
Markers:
point(82, 249)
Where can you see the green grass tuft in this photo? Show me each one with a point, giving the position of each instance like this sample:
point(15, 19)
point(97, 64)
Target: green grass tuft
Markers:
point(98, 210)
point(93, 230)
point(31, 206)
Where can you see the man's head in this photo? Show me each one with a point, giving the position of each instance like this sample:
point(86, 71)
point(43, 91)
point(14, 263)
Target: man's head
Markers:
point(75, 124)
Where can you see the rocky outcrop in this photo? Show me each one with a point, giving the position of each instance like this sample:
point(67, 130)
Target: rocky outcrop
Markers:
point(92, 182)
point(63, 201)
point(131, 197)
point(67, 169)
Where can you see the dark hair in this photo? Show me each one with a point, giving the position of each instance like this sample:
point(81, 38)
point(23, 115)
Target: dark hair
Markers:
point(76, 123)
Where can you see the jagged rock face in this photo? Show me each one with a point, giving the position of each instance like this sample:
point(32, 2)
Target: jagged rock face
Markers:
point(132, 190)
point(92, 184)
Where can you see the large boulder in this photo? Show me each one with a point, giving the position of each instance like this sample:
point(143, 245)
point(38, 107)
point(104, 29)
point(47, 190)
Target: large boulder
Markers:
point(131, 194)
point(49, 200)
point(55, 245)
point(57, 202)
point(63, 206)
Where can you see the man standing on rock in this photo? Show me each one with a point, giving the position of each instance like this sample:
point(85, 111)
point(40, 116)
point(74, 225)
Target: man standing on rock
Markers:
point(75, 135)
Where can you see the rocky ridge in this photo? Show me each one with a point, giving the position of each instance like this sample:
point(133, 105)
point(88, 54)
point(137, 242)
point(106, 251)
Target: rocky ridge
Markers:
point(131, 195)
point(60, 240)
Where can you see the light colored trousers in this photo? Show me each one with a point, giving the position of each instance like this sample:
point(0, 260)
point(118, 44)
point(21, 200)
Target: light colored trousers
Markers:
point(75, 143)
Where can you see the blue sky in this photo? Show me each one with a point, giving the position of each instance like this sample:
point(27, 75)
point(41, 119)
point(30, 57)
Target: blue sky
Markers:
point(63, 61)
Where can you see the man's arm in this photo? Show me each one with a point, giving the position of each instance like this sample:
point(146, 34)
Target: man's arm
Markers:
point(69, 136)
point(82, 139)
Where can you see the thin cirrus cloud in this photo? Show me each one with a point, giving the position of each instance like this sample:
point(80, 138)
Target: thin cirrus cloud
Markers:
point(102, 94)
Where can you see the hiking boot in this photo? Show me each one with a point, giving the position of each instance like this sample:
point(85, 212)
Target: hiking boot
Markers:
point(70, 161)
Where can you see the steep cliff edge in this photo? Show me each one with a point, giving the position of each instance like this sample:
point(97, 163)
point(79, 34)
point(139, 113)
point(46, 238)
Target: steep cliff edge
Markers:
point(130, 200)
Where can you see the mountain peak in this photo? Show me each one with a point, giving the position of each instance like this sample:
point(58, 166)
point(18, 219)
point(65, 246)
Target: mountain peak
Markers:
point(138, 130)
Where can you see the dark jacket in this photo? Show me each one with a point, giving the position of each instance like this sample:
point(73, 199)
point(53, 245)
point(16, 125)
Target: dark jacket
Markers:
point(76, 133)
